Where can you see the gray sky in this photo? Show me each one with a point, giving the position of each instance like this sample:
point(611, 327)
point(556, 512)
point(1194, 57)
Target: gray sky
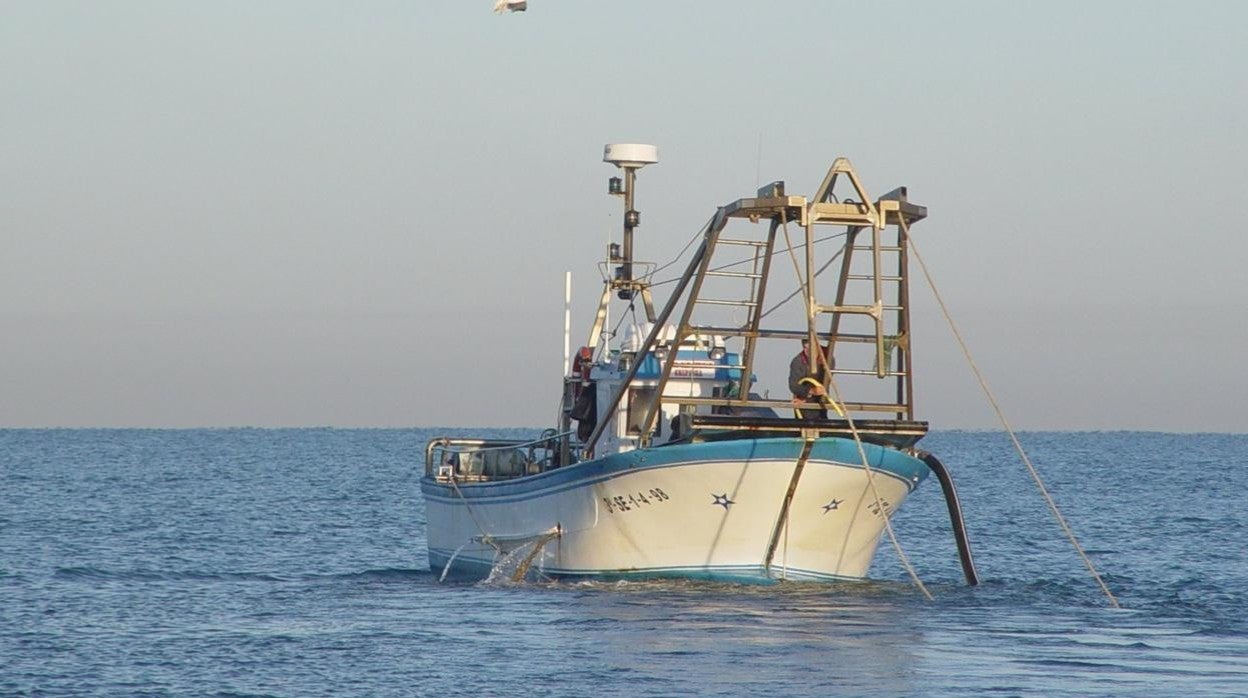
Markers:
point(359, 214)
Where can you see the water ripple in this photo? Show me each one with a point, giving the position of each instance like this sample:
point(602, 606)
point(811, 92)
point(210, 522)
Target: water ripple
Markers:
point(292, 562)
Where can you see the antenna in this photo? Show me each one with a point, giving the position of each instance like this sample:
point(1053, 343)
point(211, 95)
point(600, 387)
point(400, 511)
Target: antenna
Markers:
point(629, 157)
point(758, 164)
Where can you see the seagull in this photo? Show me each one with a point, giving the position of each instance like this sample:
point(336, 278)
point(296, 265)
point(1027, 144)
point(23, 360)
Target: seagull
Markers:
point(513, 5)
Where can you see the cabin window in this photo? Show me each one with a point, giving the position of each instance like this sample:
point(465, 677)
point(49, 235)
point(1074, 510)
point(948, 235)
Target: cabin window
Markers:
point(639, 402)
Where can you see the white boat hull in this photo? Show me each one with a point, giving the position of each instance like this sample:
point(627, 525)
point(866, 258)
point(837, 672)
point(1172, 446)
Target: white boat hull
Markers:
point(706, 510)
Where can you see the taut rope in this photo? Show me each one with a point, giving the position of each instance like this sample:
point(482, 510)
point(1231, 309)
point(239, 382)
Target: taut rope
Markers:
point(1035, 475)
point(836, 405)
point(879, 503)
point(485, 537)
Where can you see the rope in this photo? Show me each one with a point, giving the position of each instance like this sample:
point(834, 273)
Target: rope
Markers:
point(521, 569)
point(738, 263)
point(603, 349)
point(689, 244)
point(801, 283)
point(879, 503)
point(782, 521)
point(818, 271)
point(862, 453)
point(485, 537)
point(1035, 475)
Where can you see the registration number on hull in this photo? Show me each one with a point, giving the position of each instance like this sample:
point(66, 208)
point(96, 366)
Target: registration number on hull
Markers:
point(635, 500)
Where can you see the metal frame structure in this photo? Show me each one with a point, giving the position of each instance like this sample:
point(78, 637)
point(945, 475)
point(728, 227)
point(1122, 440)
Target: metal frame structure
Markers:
point(884, 222)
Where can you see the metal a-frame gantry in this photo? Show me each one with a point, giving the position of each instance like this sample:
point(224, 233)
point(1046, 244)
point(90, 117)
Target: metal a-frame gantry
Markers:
point(878, 228)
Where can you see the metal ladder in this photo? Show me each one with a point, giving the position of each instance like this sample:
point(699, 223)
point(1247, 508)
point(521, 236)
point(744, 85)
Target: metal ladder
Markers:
point(760, 269)
point(772, 204)
point(887, 299)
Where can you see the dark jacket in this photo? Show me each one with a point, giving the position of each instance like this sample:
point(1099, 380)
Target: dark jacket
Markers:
point(799, 368)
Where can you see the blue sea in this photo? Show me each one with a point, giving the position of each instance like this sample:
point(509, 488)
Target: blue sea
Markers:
point(244, 562)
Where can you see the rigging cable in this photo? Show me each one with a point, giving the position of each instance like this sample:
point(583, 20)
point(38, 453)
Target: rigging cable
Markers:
point(879, 503)
point(632, 312)
point(801, 284)
point(541, 539)
point(983, 384)
point(746, 261)
point(680, 254)
point(485, 537)
point(604, 351)
point(818, 271)
point(838, 406)
point(782, 522)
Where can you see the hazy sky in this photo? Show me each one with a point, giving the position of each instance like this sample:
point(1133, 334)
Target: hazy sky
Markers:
point(359, 214)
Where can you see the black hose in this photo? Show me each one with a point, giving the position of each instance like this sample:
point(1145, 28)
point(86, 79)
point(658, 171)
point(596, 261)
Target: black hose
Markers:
point(955, 515)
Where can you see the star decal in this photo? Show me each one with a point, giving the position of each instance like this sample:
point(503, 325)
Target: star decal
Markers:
point(832, 505)
point(722, 500)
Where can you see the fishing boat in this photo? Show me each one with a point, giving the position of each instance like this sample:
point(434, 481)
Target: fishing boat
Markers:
point(666, 461)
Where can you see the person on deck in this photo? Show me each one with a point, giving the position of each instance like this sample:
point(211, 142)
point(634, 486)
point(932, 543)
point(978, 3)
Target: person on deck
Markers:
point(807, 384)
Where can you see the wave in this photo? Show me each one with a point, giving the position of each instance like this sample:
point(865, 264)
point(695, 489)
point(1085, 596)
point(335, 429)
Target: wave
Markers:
point(385, 574)
point(95, 574)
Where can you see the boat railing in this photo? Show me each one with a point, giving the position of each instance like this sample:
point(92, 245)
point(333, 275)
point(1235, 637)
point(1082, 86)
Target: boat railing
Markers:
point(482, 460)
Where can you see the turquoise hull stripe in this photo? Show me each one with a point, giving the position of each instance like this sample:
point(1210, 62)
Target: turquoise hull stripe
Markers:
point(888, 461)
point(470, 568)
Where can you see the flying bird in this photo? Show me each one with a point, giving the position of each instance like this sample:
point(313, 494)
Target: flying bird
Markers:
point(513, 5)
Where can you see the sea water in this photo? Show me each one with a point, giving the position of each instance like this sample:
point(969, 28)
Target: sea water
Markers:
point(245, 562)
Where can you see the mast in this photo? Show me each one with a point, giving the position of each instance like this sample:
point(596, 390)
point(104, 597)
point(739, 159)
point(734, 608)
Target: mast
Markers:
point(629, 157)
